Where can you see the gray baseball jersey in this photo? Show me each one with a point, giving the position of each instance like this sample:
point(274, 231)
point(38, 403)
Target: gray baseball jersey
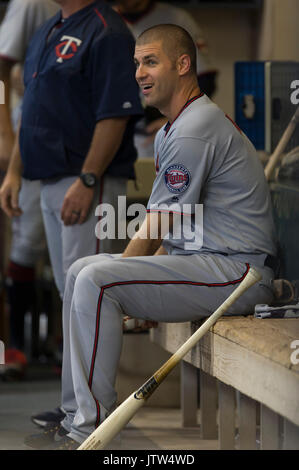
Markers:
point(204, 158)
point(201, 158)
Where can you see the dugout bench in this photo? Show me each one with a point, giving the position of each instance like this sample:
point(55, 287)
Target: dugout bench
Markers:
point(249, 386)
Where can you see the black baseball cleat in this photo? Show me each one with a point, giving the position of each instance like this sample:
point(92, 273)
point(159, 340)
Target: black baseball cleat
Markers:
point(54, 416)
point(53, 432)
point(66, 443)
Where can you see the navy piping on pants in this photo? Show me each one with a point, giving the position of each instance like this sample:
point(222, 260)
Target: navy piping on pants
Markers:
point(126, 283)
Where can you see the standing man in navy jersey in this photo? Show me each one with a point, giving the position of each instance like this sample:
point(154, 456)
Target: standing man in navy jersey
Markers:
point(76, 134)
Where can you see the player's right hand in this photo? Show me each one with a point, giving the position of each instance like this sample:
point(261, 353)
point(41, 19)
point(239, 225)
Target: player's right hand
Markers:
point(9, 195)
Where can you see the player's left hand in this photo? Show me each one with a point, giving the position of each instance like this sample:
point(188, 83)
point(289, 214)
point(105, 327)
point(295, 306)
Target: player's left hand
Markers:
point(77, 203)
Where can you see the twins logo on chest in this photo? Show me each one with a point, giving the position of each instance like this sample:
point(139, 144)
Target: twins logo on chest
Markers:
point(177, 178)
point(67, 48)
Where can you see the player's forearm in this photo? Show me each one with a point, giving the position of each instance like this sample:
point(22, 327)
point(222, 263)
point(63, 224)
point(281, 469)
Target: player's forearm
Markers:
point(15, 167)
point(148, 240)
point(106, 141)
point(5, 120)
point(140, 247)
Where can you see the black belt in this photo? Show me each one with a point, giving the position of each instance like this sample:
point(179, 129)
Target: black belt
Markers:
point(272, 262)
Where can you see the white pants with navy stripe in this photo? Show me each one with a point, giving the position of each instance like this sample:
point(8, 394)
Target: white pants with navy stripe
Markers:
point(101, 289)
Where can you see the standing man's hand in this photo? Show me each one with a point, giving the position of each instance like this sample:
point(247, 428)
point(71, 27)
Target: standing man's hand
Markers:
point(9, 195)
point(77, 203)
point(107, 138)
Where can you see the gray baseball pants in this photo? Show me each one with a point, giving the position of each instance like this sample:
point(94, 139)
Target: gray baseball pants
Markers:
point(101, 289)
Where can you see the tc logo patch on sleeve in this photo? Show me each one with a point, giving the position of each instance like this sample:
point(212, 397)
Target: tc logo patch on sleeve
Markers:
point(177, 178)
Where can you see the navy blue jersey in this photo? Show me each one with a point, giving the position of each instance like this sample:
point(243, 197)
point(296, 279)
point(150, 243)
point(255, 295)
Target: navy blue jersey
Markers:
point(79, 74)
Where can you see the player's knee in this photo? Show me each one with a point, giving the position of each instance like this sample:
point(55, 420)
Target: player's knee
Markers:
point(86, 292)
point(72, 274)
point(81, 263)
point(77, 266)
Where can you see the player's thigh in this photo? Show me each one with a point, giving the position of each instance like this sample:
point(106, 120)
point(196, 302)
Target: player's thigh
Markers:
point(81, 263)
point(167, 288)
point(30, 223)
point(28, 236)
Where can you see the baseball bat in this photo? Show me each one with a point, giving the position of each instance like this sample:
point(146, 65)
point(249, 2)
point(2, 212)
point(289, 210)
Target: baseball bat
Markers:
point(272, 162)
point(124, 412)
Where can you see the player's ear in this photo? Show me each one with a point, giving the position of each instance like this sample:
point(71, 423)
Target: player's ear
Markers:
point(183, 64)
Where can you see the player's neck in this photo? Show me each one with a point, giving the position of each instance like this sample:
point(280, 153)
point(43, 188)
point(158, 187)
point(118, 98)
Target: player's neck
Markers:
point(180, 98)
point(69, 7)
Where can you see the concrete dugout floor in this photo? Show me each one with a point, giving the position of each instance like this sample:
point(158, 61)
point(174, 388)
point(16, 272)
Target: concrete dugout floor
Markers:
point(151, 429)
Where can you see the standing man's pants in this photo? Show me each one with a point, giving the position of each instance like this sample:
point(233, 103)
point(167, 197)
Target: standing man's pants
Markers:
point(68, 243)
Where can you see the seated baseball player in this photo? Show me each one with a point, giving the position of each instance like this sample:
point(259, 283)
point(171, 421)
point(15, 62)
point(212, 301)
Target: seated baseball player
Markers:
point(210, 178)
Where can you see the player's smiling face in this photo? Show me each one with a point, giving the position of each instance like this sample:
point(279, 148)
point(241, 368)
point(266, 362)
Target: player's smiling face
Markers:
point(156, 75)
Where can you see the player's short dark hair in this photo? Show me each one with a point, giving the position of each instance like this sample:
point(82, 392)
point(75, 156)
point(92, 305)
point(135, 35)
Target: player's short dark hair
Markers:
point(175, 41)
